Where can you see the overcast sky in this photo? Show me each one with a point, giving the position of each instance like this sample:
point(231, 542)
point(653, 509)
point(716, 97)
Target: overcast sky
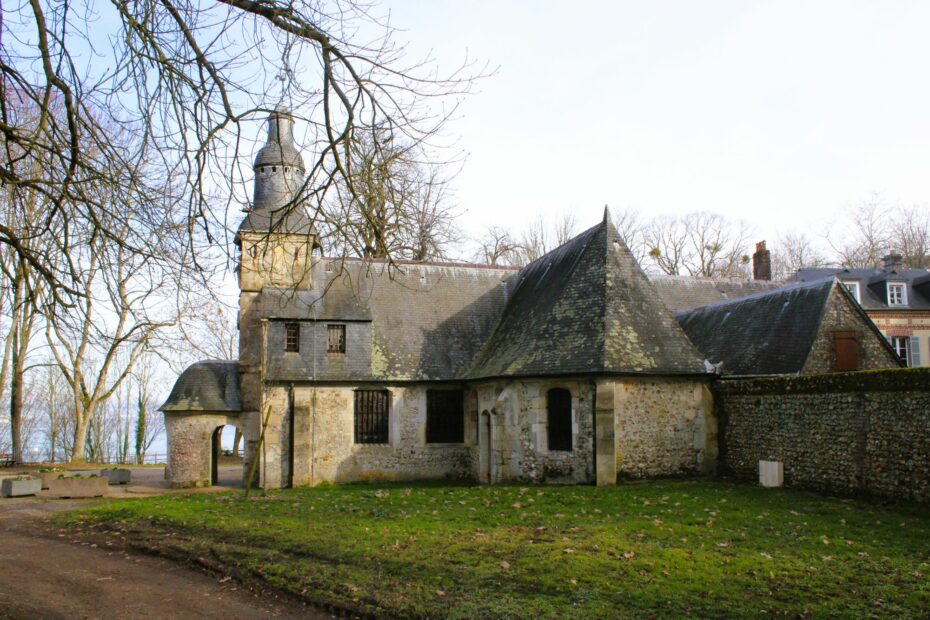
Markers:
point(782, 113)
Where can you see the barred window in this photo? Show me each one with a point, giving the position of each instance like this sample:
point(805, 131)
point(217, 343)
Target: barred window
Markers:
point(559, 410)
point(371, 416)
point(445, 416)
point(335, 338)
point(292, 337)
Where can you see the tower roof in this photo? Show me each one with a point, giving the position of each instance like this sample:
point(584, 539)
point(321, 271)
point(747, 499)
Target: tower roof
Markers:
point(279, 174)
point(279, 149)
point(586, 307)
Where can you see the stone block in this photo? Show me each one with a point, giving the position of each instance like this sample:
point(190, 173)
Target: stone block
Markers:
point(20, 487)
point(77, 487)
point(771, 473)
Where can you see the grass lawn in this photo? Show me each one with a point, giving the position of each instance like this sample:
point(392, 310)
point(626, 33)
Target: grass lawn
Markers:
point(668, 549)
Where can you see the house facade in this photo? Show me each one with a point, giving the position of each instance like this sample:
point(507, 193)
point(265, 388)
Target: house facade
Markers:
point(896, 298)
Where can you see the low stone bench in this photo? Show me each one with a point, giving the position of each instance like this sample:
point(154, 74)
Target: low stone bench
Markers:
point(20, 486)
point(76, 487)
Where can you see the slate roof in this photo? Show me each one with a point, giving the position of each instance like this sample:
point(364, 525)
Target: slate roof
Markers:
point(682, 293)
point(210, 385)
point(284, 220)
point(872, 285)
point(428, 320)
point(586, 307)
point(769, 333)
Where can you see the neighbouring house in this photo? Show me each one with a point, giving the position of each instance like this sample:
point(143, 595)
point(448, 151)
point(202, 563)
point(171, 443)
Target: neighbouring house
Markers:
point(570, 369)
point(896, 298)
point(799, 329)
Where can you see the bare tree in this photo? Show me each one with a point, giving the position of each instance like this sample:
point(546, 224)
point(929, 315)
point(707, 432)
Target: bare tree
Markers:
point(911, 235)
point(700, 244)
point(632, 229)
point(395, 203)
point(540, 236)
point(497, 247)
point(863, 236)
point(119, 312)
point(185, 80)
point(794, 251)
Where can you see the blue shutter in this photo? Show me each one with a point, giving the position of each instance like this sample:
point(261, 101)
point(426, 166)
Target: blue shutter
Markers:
point(915, 351)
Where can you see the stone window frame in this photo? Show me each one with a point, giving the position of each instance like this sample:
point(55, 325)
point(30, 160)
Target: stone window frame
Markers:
point(572, 421)
point(461, 392)
point(893, 298)
point(389, 406)
point(292, 337)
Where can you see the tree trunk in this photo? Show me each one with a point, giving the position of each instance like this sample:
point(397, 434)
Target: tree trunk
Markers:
point(80, 439)
point(236, 441)
point(16, 401)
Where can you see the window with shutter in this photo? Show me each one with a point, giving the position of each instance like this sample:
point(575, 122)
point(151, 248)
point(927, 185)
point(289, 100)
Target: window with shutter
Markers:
point(845, 351)
point(335, 338)
point(900, 346)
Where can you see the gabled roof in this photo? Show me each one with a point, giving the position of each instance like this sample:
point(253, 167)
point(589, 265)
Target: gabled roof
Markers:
point(586, 307)
point(769, 333)
point(209, 385)
point(873, 285)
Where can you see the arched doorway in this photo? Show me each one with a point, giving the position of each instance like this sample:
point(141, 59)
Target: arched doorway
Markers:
point(226, 456)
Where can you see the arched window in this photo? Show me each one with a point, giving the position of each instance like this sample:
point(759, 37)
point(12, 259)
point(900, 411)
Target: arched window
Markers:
point(559, 410)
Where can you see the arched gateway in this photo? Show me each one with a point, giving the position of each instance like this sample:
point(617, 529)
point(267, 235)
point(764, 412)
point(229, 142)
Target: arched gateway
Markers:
point(205, 398)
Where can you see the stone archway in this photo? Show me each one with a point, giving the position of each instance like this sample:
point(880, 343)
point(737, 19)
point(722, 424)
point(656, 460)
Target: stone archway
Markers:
point(194, 443)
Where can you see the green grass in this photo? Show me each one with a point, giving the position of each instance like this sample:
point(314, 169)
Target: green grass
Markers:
point(663, 549)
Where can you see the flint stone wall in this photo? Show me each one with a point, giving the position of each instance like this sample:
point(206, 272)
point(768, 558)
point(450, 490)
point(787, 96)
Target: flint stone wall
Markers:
point(845, 433)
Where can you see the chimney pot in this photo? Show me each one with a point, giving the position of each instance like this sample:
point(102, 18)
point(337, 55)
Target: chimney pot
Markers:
point(891, 262)
point(761, 263)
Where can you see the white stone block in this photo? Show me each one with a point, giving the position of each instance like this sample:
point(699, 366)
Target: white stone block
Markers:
point(771, 473)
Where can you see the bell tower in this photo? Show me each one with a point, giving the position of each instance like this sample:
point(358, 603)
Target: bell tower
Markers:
point(276, 238)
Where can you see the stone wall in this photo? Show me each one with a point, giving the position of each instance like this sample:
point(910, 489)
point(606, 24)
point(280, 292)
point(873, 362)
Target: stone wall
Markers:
point(662, 426)
point(864, 432)
point(840, 315)
point(517, 449)
point(189, 445)
point(325, 448)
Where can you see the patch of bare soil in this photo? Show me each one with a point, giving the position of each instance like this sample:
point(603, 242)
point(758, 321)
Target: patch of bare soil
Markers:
point(49, 574)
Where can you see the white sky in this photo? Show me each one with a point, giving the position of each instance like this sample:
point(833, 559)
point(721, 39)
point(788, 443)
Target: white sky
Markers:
point(780, 113)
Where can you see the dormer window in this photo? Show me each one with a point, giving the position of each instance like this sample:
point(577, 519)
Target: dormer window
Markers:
point(853, 288)
point(897, 294)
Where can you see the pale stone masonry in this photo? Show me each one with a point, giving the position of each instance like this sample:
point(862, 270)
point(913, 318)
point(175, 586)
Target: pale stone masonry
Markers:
point(568, 370)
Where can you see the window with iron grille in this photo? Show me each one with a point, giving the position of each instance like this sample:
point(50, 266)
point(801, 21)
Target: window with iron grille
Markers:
point(445, 416)
point(559, 410)
point(335, 338)
point(292, 337)
point(845, 351)
point(371, 416)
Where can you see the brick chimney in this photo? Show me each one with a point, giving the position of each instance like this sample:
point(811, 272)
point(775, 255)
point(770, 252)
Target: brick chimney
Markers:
point(761, 263)
point(892, 262)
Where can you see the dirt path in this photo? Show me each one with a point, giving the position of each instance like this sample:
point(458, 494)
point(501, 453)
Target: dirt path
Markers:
point(47, 575)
